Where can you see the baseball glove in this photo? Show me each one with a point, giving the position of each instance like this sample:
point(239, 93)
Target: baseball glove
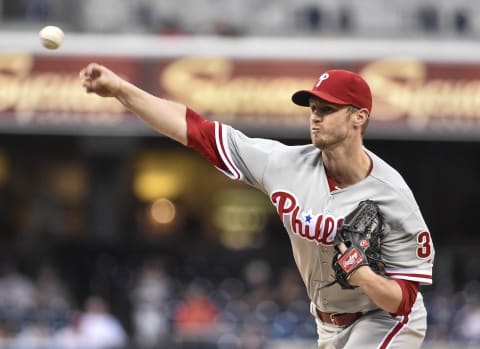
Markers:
point(361, 232)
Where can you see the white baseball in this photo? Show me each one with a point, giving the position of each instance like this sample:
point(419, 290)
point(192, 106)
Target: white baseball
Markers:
point(51, 37)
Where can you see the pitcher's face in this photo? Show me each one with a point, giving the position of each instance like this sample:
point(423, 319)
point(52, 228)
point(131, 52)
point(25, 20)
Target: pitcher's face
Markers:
point(330, 124)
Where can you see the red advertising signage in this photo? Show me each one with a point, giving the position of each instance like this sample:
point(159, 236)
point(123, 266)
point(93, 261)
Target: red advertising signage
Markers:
point(41, 93)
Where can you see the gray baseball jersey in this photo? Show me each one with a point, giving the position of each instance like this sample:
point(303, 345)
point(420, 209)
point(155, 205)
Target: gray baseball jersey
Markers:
point(295, 180)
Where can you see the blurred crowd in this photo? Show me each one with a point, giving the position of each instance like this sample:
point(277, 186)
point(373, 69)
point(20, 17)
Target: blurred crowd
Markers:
point(454, 316)
point(404, 18)
point(39, 312)
point(248, 311)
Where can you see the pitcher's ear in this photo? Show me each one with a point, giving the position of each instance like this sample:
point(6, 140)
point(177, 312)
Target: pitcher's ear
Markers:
point(360, 117)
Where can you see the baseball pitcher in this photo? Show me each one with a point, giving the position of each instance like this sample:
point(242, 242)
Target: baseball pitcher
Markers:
point(358, 237)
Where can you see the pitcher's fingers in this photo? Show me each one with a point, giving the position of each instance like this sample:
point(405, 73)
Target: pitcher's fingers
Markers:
point(87, 84)
point(94, 69)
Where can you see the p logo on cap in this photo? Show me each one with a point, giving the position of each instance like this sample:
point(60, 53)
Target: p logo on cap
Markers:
point(339, 87)
point(322, 77)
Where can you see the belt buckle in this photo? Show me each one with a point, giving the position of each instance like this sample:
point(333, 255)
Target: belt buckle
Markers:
point(332, 318)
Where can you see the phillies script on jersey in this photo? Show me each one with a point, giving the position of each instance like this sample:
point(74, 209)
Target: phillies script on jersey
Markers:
point(319, 227)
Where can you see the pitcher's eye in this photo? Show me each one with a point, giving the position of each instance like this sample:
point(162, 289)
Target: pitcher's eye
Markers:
point(326, 110)
point(323, 110)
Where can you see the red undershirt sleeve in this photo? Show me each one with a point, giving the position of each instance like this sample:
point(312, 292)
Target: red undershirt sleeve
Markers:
point(409, 295)
point(201, 138)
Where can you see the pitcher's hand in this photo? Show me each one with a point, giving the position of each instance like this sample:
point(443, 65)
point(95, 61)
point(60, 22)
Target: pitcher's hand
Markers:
point(98, 79)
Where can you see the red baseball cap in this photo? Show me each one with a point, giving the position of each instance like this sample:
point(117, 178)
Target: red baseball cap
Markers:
point(339, 87)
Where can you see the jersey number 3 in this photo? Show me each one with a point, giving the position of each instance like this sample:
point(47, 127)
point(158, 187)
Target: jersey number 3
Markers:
point(424, 241)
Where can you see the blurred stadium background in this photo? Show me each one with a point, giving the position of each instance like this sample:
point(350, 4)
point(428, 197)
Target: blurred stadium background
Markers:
point(115, 237)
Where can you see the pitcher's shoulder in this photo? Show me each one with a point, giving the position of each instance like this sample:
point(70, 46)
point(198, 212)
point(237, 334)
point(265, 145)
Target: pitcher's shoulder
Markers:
point(301, 152)
point(386, 173)
point(297, 155)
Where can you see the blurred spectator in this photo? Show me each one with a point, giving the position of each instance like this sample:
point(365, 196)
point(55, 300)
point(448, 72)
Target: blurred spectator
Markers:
point(467, 319)
point(290, 287)
point(345, 19)
point(17, 292)
point(461, 21)
point(5, 335)
point(197, 314)
point(33, 336)
point(110, 16)
point(170, 27)
point(37, 10)
point(440, 307)
point(150, 302)
point(70, 336)
point(310, 17)
point(258, 277)
point(254, 335)
point(470, 324)
point(52, 294)
point(98, 328)
point(428, 18)
point(224, 28)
